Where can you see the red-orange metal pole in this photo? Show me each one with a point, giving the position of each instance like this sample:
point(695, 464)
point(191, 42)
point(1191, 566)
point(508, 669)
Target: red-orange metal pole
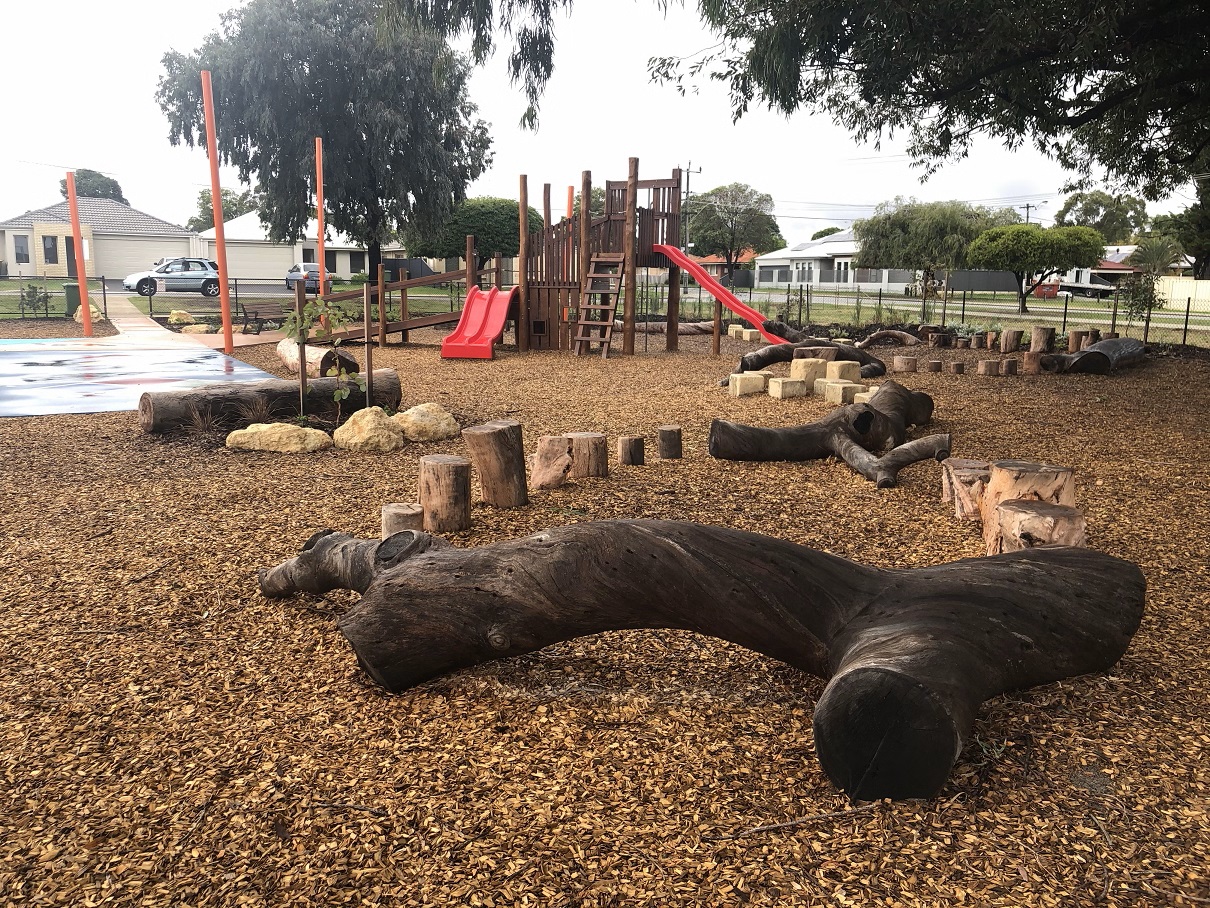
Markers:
point(73, 209)
point(216, 203)
point(319, 210)
point(571, 204)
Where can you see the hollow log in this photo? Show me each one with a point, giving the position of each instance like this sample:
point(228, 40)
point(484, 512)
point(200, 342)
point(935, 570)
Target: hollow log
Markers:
point(1020, 479)
point(498, 453)
point(398, 516)
point(853, 433)
point(630, 450)
point(320, 360)
point(670, 442)
point(909, 654)
point(1041, 339)
point(962, 482)
point(1099, 359)
point(229, 402)
point(552, 462)
point(1026, 524)
point(589, 455)
point(901, 337)
point(445, 493)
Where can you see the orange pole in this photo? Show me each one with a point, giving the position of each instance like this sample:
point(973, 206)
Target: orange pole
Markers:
point(77, 237)
point(216, 203)
point(319, 210)
point(571, 204)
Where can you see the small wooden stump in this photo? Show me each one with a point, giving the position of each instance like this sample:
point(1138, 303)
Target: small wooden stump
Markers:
point(401, 515)
point(933, 365)
point(1094, 337)
point(1032, 363)
point(589, 455)
point(670, 442)
point(976, 341)
point(963, 482)
point(1010, 341)
point(1026, 524)
point(1042, 339)
point(498, 453)
point(630, 450)
point(991, 339)
point(1019, 479)
point(939, 339)
point(1110, 335)
point(989, 367)
point(551, 463)
point(962, 343)
point(957, 368)
point(320, 360)
point(445, 493)
point(827, 354)
point(904, 363)
point(1075, 341)
point(1008, 367)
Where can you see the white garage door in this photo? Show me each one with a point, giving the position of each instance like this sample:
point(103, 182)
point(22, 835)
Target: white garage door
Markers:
point(116, 257)
point(260, 262)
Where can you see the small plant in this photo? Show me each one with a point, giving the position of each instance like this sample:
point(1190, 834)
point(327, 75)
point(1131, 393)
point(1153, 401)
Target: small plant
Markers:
point(329, 318)
point(1137, 296)
point(201, 421)
point(35, 299)
point(257, 410)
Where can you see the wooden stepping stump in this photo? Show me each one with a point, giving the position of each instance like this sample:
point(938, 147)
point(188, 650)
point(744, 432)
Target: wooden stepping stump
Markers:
point(1032, 363)
point(630, 450)
point(939, 339)
point(445, 493)
point(1075, 341)
point(933, 365)
point(589, 455)
point(827, 354)
point(552, 462)
point(401, 515)
point(498, 453)
point(1019, 479)
point(957, 368)
point(1008, 367)
point(989, 367)
point(670, 442)
point(1110, 335)
point(1010, 341)
point(991, 339)
point(962, 482)
point(976, 341)
point(1027, 524)
point(1042, 339)
point(904, 364)
point(962, 343)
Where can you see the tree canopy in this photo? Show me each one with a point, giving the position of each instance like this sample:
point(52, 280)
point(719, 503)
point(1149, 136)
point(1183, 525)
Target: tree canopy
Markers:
point(494, 223)
point(1115, 217)
point(1031, 250)
point(1119, 85)
point(596, 202)
point(1156, 255)
point(234, 205)
point(401, 139)
point(728, 220)
point(1191, 228)
point(827, 231)
point(93, 185)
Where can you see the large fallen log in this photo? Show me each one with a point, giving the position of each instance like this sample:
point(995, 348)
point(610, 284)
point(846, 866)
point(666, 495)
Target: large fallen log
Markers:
point(910, 654)
point(320, 360)
point(228, 403)
point(854, 433)
point(888, 334)
point(1099, 359)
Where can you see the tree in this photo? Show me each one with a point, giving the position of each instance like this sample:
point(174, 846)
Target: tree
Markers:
point(1031, 250)
point(1120, 85)
point(494, 223)
point(596, 202)
point(827, 231)
point(1156, 255)
point(729, 220)
point(1191, 228)
point(90, 184)
point(400, 137)
point(234, 205)
point(1115, 217)
point(923, 236)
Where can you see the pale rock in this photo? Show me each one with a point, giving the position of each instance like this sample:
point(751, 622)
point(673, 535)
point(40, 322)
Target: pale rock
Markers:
point(844, 370)
point(196, 329)
point(180, 317)
point(783, 388)
point(842, 392)
point(808, 370)
point(370, 431)
point(742, 384)
point(427, 422)
point(736, 331)
point(97, 314)
point(279, 436)
point(750, 334)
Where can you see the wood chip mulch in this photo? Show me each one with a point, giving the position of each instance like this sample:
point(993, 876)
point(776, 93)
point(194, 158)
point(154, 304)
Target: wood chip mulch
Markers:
point(169, 737)
point(34, 328)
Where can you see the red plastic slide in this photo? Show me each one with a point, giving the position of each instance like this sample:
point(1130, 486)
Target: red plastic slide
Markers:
point(718, 291)
point(482, 323)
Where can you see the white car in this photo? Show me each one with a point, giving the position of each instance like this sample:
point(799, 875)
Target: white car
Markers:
point(177, 274)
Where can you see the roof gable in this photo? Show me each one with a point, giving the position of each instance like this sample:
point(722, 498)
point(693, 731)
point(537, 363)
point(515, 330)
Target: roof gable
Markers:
point(102, 215)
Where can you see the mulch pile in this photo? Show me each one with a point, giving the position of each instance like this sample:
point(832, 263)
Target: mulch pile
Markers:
point(169, 737)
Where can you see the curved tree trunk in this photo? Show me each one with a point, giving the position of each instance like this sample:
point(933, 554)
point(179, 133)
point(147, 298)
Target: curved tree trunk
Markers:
point(910, 654)
point(1099, 359)
point(888, 334)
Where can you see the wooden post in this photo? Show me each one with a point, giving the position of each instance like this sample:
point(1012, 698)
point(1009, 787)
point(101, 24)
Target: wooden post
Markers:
point(400, 516)
point(957, 367)
point(1031, 363)
point(716, 346)
point(498, 270)
point(382, 305)
point(628, 250)
point(989, 367)
point(472, 263)
point(216, 204)
point(630, 450)
point(585, 223)
point(903, 364)
point(445, 493)
point(1042, 339)
point(403, 306)
point(369, 343)
point(319, 216)
point(300, 301)
point(1075, 340)
point(498, 453)
point(551, 463)
point(523, 268)
point(589, 456)
point(77, 234)
point(670, 442)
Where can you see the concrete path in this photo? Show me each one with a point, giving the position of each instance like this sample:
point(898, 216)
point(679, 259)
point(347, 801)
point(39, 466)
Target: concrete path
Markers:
point(104, 374)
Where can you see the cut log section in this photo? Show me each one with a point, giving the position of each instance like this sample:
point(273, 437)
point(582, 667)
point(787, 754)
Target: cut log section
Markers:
point(589, 455)
point(1042, 339)
point(630, 450)
point(320, 360)
point(957, 368)
point(1099, 359)
point(962, 482)
point(989, 367)
point(445, 493)
point(1010, 341)
point(933, 365)
point(1026, 524)
point(1031, 363)
point(910, 654)
point(498, 453)
point(552, 462)
point(904, 363)
point(1018, 479)
point(670, 442)
point(399, 516)
point(228, 403)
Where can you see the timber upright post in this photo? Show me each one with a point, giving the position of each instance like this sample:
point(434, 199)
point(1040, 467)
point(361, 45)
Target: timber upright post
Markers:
point(472, 264)
point(523, 267)
point(319, 214)
point(73, 209)
point(672, 341)
point(382, 305)
point(632, 201)
point(366, 316)
point(216, 204)
point(300, 302)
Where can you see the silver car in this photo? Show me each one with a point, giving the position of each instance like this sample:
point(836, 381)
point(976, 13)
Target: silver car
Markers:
point(200, 275)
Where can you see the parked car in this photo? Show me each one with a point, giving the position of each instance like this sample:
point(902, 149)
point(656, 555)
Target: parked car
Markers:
point(200, 275)
point(295, 274)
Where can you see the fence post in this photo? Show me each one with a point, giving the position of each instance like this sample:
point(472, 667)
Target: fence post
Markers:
point(878, 317)
point(945, 303)
point(1188, 307)
point(1113, 322)
point(300, 300)
point(105, 300)
point(964, 307)
point(1066, 301)
point(1147, 325)
point(236, 282)
point(808, 305)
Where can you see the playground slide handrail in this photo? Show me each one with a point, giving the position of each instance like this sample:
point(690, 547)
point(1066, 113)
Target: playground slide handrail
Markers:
point(718, 291)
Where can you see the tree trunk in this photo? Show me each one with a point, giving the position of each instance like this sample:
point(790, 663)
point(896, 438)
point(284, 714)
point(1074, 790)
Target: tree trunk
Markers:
point(375, 257)
point(1022, 309)
point(1099, 359)
point(320, 360)
point(445, 493)
point(902, 337)
point(551, 463)
point(229, 403)
point(910, 654)
point(1009, 480)
point(498, 453)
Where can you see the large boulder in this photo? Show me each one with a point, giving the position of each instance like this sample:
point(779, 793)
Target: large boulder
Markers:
point(180, 317)
point(279, 436)
point(427, 422)
point(196, 329)
point(97, 314)
point(370, 431)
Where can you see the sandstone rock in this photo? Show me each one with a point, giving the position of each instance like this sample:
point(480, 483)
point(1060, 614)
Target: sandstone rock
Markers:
point(427, 422)
point(97, 314)
point(196, 329)
point(369, 431)
point(279, 436)
point(180, 317)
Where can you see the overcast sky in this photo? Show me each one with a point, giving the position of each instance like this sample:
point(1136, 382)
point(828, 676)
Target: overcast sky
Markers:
point(599, 109)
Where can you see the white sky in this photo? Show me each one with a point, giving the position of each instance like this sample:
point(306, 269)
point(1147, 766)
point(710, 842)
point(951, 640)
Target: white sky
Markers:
point(598, 110)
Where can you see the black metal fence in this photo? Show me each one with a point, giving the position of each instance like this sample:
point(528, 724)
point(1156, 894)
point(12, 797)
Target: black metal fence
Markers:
point(41, 297)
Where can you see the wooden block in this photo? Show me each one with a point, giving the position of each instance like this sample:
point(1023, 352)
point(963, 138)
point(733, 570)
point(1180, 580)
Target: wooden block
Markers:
point(962, 482)
point(445, 493)
point(976, 341)
point(1032, 362)
point(808, 370)
point(991, 339)
point(1008, 367)
point(939, 339)
point(498, 452)
point(962, 343)
point(742, 384)
point(933, 365)
point(989, 367)
point(1013, 479)
point(751, 334)
point(589, 455)
point(783, 388)
point(398, 516)
point(841, 392)
point(957, 368)
point(1075, 340)
point(1041, 339)
point(825, 353)
point(670, 442)
point(1010, 341)
point(904, 364)
point(630, 450)
point(1024, 524)
point(736, 331)
point(552, 462)
point(843, 370)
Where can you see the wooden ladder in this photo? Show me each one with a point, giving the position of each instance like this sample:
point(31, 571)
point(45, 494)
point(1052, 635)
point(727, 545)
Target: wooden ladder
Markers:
point(603, 283)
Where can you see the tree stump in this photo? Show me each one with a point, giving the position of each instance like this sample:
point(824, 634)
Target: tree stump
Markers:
point(1019, 479)
point(957, 368)
point(1075, 340)
point(1010, 341)
point(963, 482)
point(1032, 363)
point(962, 343)
point(1008, 367)
point(1042, 339)
point(904, 364)
point(991, 339)
point(445, 493)
point(1110, 335)
point(630, 450)
point(1094, 337)
point(989, 367)
point(320, 360)
point(551, 463)
point(589, 455)
point(976, 341)
point(670, 442)
point(1026, 524)
point(933, 365)
point(498, 452)
point(939, 339)
point(399, 516)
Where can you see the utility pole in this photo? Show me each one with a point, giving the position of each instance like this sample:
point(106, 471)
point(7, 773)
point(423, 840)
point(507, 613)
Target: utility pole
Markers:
point(685, 206)
point(1029, 205)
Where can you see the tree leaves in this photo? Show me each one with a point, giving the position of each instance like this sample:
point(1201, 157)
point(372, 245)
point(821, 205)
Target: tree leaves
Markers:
point(91, 184)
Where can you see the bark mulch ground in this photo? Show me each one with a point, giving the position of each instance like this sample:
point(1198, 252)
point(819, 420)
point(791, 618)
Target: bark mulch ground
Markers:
point(26, 328)
point(169, 737)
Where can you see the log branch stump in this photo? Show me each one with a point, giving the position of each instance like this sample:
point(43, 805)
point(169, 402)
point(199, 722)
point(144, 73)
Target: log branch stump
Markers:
point(889, 334)
point(1019, 479)
point(1026, 524)
point(552, 462)
point(630, 450)
point(1042, 339)
point(445, 493)
point(498, 453)
point(589, 455)
point(399, 516)
point(670, 442)
point(963, 482)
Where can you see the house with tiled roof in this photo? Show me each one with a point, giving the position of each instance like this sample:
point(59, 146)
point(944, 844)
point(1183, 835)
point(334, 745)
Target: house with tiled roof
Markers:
point(118, 240)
